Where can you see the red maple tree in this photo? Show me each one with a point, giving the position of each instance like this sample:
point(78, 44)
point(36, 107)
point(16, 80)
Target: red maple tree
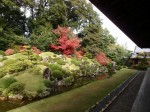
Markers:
point(103, 59)
point(65, 44)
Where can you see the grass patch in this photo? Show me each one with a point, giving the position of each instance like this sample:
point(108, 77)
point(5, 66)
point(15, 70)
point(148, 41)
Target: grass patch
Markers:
point(79, 99)
point(32, 82)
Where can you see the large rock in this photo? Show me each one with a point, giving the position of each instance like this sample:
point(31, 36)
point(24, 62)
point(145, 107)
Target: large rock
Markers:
point(2, 98)
point(44, 94)
point(15, 97)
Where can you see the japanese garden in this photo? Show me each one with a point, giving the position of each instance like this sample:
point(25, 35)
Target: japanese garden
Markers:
point(55, 56)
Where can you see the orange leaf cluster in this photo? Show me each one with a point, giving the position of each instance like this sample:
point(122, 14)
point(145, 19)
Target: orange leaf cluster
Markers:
point(103, 59)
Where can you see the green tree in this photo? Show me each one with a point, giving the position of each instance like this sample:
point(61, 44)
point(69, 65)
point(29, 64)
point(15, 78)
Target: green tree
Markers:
point(117, 53)
point(12, 23)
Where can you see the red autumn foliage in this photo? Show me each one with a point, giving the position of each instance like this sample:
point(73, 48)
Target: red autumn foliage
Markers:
point(102, 59)
point(22, 48)
point(79, 54)
point(9, 52)
point(36, 50)
point(65, 44)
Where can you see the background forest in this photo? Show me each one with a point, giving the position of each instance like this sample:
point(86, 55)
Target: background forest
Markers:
point(45, 15)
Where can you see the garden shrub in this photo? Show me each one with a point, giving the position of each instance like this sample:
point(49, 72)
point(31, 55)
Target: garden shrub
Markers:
point(9, 52)
point(57, 74)
point(45, 63)
point(6, 82)
point(69, 80)
point(1, 91)
point(16, 87)
point(55, 67)
point(61, 62)
point(19, 66)
point(5, 92)
point(3, 72)
point(110, 69)
point(75, 62)
point(35, 70)
point(66, 73)
point(3, 58)
point(39, 91)
point(15, 67)
point(9, 61)
point(103, 59)
point(118, 67)
point(30, 95)
point(2, 53)
point(47, 83)
point(142, 65)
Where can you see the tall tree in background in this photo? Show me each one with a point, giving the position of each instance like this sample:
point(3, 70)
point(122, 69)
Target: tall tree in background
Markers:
point(117, 53)
point(77, 14)
point(106, 40)
point(12, 23)
point(46, 15)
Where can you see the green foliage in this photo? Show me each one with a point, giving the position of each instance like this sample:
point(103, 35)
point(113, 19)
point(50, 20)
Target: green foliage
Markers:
point(43, 38)
point(31, 55)
point(75, 62)
point(9, 61)
point(47, 83)
point(91, 42)
point(16, 87)
point(117, 53)
point(142, 64)
point(60, 61)
point(2, 72)
point(111, 69)
point(35, 70)
point(39, 91)
point(6, 82)
point(2, 53)
point(57, 74)
point(118, 67)
point(69, 80)
point(12, 24)
point(55, 67)
point(45, 63)
point(19, 66)
point(15, 67)
point(5, 92)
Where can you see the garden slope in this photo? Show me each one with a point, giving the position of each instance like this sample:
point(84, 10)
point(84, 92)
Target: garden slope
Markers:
point(80, 99)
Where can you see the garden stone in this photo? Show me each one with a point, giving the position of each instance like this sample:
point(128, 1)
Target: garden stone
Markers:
point(61, 82)
point(46, 73)
point(45, 59)
point(2, 98)
point(15, 97)
point(44, 94)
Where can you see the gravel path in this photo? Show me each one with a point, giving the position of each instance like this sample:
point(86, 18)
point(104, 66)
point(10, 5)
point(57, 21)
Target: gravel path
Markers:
point(126, 99)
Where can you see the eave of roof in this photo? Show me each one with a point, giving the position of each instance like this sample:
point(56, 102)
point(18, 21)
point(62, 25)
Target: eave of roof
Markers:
point(131, 16)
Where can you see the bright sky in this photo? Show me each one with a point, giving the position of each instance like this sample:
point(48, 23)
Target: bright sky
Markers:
point(121, 38)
